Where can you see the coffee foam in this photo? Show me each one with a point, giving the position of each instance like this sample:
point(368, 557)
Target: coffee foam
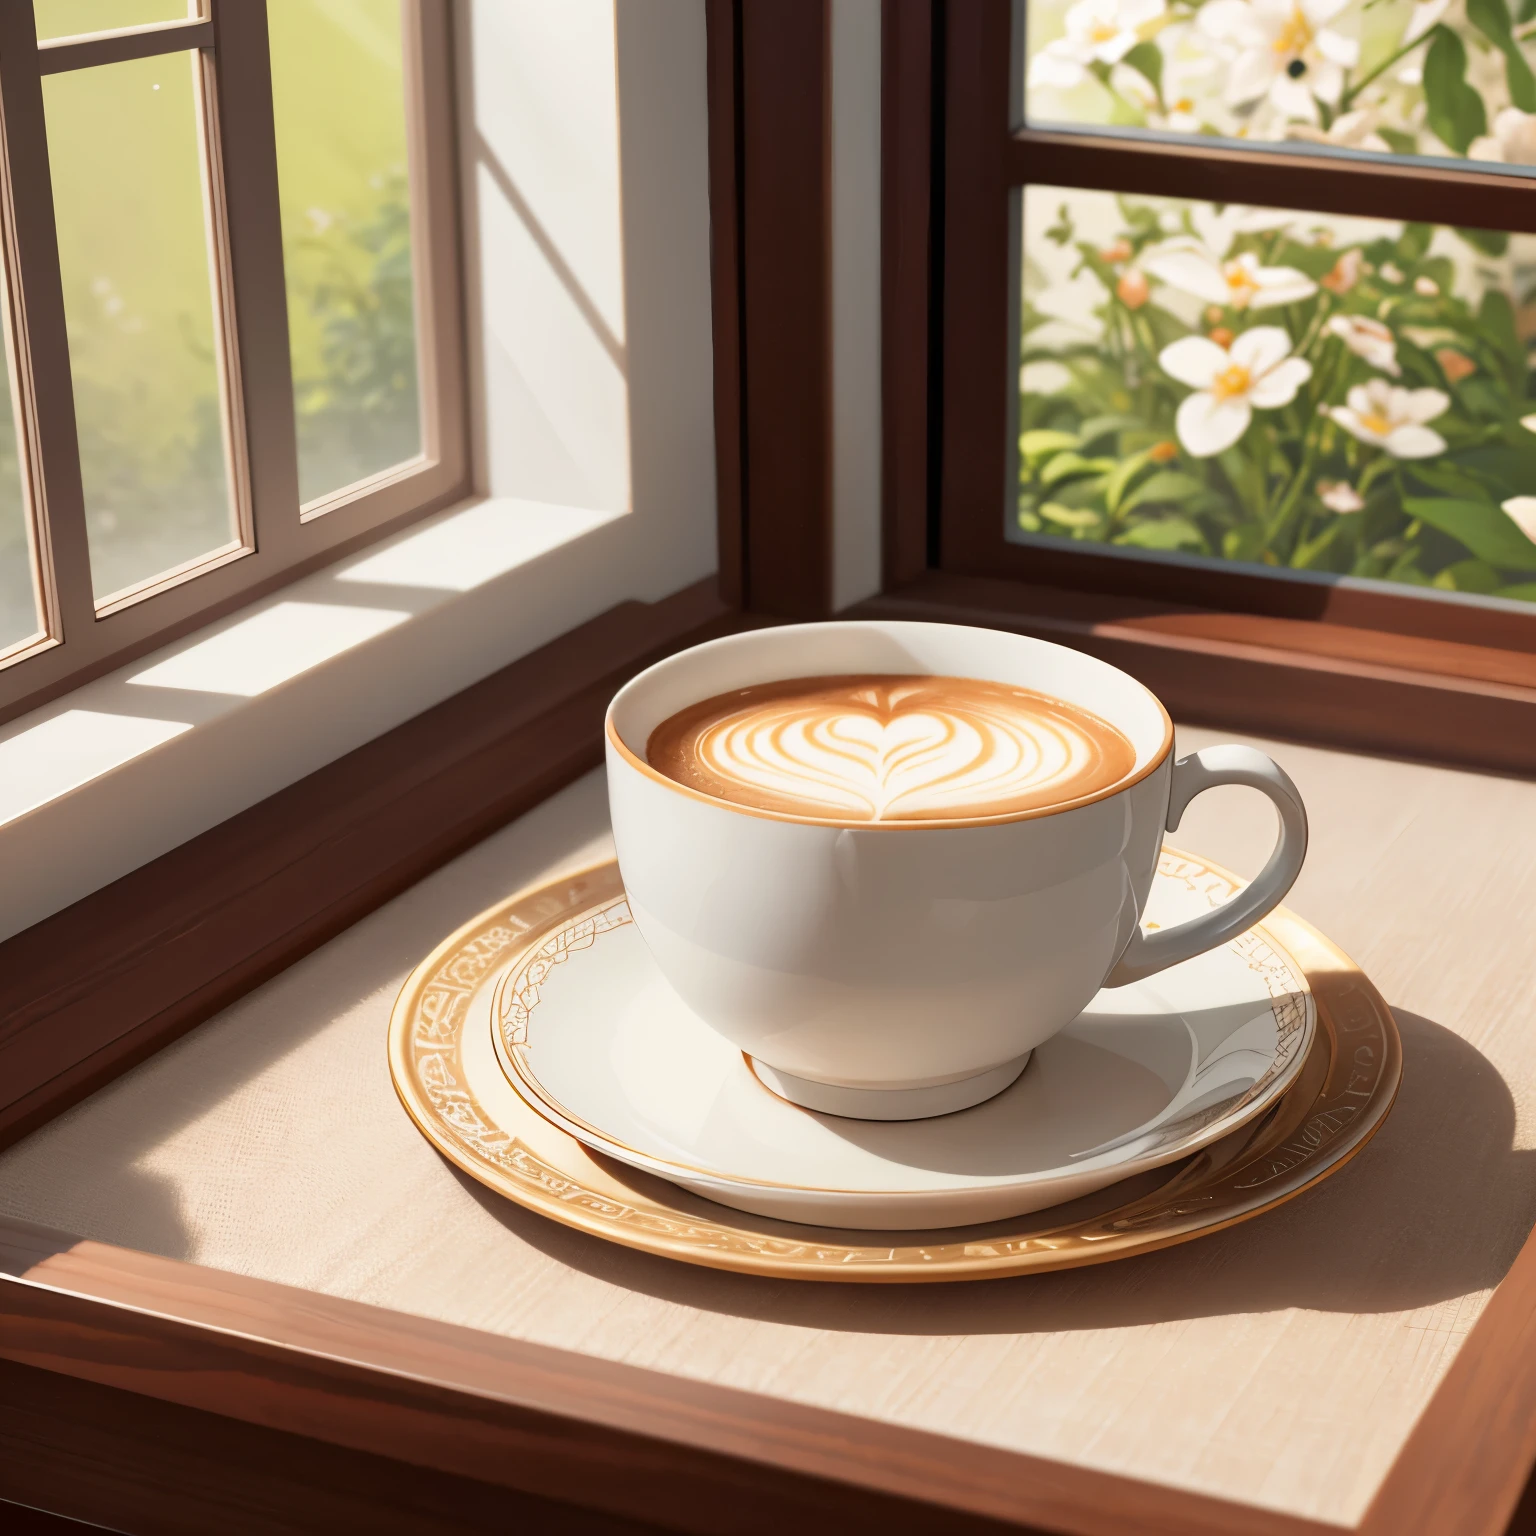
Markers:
point(890, 748)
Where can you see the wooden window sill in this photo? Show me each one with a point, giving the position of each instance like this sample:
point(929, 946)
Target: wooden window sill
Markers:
point(264, 1237)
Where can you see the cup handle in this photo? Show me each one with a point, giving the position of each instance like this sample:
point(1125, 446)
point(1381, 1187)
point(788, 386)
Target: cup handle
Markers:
point(1148, 953)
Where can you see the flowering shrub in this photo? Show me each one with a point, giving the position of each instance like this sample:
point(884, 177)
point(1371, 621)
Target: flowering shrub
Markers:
point(1436, 77)
point(1246, 385)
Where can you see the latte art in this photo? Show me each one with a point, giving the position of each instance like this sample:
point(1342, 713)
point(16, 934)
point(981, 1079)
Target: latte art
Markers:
point(890, 749)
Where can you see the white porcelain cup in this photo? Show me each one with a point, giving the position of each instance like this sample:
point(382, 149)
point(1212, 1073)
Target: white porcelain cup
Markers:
point(902, 969)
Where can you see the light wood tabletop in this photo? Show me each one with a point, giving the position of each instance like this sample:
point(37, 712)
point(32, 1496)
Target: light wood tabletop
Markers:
point(1281, 1363)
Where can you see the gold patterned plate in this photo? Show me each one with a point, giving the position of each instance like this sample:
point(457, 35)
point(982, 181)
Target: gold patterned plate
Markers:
point(445, 1070)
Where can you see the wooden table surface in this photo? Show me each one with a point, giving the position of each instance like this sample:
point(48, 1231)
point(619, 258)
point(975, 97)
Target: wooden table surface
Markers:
point(1281, 1363)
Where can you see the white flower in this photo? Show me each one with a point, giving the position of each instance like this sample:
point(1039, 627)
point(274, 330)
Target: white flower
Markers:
point(1257, 370)
point(1512, 141)
point(1392, 272)
point(1339, 496)
point(1285, 52)
point(1522, 512)
point(1425, 14)
point(1393, 418)
point(1529, 423)
point(1425, 287)
point(1098, 32)
point(1241, 283)
point(1369, 339)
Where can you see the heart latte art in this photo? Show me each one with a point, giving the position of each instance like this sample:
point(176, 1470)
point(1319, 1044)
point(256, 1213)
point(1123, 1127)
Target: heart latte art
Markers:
point(890, 748)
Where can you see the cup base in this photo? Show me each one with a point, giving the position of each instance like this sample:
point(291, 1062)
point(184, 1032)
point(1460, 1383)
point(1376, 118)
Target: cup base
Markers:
point(889, 1103)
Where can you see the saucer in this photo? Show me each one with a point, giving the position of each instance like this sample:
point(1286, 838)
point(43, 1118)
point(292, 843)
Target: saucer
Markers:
point(592, 1036)
point(446, 1074)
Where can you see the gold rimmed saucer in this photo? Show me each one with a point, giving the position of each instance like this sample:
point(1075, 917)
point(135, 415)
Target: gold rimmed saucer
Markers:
point(447, 1075)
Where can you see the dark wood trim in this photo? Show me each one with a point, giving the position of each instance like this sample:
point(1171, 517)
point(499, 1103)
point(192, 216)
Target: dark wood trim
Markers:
point(975, 362)
point(1211, 584)
point(906, 229)
point(637, 1444)
point(1343, 687)
point(1468, 196)
point(105, 982)
point(723, 62)
point(130, 1463)
point(66, 53)
point(627, 1443)
point(785, 178)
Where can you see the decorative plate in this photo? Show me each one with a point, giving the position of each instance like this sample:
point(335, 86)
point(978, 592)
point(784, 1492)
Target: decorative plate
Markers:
point(448, 1077)
point(590, 1033)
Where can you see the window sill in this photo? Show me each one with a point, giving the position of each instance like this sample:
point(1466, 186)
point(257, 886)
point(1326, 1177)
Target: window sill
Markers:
point(100, 781)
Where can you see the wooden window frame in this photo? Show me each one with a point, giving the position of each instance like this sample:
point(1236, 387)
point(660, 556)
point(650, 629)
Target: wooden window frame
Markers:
point(278, 540)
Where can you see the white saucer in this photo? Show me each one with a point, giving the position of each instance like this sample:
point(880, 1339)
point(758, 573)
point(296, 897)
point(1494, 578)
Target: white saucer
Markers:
point(590, 1035)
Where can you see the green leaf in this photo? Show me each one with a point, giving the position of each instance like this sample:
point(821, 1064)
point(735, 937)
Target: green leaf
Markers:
point(1452, 480)
point(1167, 533)
point(1491, 18)
point(1128, 469)
point(1039, 445)
point(1165, 485)
point(1455, 110)
point(1488, 531)
point(1401, 143)
point(1491, 242)
point(1244, 543)
point(1496, 320)
point(1147, 60)
point(1524, 591)
point(1415, 238)
point(1070, 517)
point(1101, 426)
point(1468, 576)
point(1068, 465)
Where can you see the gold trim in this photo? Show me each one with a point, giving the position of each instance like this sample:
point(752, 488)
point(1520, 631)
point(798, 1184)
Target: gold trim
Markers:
point(1260, 950)
point(941, 824)
point(1339, 1099)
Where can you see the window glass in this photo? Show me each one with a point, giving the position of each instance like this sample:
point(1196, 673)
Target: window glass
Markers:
point(123, 149)
point(1426, 77)
point(339, 98)
point(69, 18)
point(19, 615)
point(1341, 396)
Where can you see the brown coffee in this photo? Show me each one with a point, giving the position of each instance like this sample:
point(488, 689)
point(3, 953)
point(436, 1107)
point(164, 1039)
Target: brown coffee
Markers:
point(873, 747)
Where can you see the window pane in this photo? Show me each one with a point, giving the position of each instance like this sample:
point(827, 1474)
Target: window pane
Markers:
point(1395, 78)
point(19, 613)
point(69, 18)
point(1346, 397)
point(339, 97)
point(128, 198)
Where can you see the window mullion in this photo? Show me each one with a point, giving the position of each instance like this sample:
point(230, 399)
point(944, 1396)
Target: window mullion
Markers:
point(1462, 196)
point(256, 302)
point(42, 342)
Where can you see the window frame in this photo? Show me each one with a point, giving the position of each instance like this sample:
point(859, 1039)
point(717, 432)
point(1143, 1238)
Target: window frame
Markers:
point(982, 162)
point(280, 540)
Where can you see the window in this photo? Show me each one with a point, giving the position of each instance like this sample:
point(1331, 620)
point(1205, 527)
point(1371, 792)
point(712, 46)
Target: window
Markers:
point(232, 321)
point(1238, 306)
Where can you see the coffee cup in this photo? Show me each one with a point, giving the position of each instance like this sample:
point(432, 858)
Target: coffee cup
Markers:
point(899, 969)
